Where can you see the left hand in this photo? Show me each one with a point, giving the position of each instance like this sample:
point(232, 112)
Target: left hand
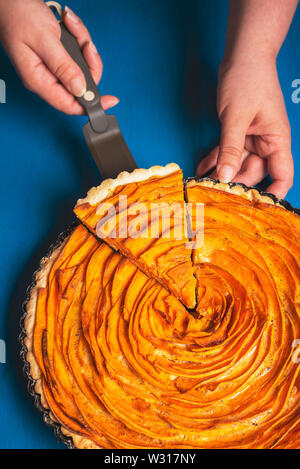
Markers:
point(30, 34)
point(255, 133)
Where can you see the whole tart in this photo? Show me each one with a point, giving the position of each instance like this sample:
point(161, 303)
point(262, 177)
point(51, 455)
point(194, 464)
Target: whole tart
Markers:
point(121, 359)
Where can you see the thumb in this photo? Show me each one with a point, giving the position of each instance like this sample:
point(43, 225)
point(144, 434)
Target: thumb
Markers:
point(60, 63)
point(232, 142)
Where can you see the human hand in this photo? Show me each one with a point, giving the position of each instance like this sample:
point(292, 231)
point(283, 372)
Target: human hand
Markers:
point(30, 35)
point(255, 133)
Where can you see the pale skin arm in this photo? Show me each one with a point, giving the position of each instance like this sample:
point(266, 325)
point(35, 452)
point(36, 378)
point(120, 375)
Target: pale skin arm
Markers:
point(30, 35)
point(255, 133)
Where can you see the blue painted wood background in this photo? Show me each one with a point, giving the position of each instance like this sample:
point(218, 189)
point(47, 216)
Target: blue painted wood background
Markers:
point(160, 58)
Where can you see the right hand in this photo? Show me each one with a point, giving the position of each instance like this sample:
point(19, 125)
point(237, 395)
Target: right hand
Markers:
point(255, 131)
point(30, 35)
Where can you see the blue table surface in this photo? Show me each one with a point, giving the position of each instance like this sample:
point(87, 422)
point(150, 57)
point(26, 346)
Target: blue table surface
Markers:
point(161, 59)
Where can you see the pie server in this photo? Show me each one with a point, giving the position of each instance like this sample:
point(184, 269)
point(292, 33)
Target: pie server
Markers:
point(101, 132)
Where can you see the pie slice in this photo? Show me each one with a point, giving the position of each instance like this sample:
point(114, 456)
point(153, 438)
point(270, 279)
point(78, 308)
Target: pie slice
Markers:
point(93, 322)
point(142, 215)
point(118, 362)
point(246, 243)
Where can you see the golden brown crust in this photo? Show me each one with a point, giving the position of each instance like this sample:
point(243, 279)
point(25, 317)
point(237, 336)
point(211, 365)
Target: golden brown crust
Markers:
point(160, 251)
point(82, 442)
point(40, 281)
point(41, 277)
point(96, 194)
point(252, 194)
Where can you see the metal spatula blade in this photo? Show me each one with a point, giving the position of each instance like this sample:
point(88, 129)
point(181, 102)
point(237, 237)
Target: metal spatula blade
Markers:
point(101, 132)
point(109, 149)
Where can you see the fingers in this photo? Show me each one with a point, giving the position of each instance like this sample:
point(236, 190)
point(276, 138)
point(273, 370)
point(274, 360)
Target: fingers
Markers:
point(76, 26)
point(207, 163)
point(109, 101)
point(93, 60)
point(90, 53)
point(210, 161)
point(254, 169)
point(276, 150)
point(37, 78)
point(234, 126)
point(47, 69)
point(281, 169)
point(60, 64)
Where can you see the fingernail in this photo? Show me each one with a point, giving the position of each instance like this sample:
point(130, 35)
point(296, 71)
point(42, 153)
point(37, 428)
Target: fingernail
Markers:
point(77, 87)
point(114, 101)
point(225, 173)
point(71, 15)
point(93, 47)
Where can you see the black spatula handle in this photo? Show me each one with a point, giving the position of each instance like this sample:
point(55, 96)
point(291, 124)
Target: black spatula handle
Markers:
point(91, 98)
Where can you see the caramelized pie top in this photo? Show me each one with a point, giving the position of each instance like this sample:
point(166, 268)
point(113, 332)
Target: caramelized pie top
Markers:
point(158, 249)
point(121, 362)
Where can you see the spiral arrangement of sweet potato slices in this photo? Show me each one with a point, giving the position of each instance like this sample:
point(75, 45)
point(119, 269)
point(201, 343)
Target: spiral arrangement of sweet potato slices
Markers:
point(123, 363)
point(158, 248)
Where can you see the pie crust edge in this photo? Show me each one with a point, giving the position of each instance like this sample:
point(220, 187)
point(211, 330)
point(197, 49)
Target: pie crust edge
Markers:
point(97, 193)
point(40, 279)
